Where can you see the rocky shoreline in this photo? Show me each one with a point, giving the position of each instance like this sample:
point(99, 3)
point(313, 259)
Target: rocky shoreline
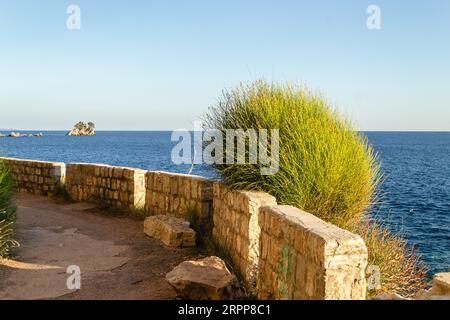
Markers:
point(21, 135)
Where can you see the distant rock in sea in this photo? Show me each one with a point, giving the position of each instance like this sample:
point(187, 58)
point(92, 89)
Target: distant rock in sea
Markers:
point(82, 129)
point(20, 135)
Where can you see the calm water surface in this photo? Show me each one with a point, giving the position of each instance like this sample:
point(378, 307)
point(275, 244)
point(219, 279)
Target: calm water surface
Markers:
point(416, 190)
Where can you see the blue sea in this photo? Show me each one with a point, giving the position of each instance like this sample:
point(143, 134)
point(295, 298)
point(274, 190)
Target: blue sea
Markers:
point(415, 197)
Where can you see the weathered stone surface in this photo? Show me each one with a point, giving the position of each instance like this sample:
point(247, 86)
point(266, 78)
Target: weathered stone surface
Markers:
point(36, 177)
point(440, 289)
point(430, 294)
point(236, 227)
point(303, 257)
point(173, 232)
point(205, 279)
point(117, 187)
point(178, 194)
point(289, 253)
point(441, 283)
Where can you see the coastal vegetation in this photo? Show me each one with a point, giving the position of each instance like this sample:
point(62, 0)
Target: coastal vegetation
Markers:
point(82, 129)
point(7, 212)
point(325, 167)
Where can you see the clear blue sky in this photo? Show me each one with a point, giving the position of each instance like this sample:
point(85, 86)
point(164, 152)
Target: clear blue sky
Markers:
point(160, 64)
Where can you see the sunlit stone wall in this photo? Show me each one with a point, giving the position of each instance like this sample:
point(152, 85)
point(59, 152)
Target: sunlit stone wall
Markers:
point(303, 257)
point(280, 251)
point(36, 177)
point(117, 187)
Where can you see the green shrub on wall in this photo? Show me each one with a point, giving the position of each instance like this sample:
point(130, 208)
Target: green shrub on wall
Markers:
point(325, 168)
point(7, 212)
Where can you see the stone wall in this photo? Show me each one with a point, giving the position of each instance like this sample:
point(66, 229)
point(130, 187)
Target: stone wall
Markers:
point(36, 177)
point(282, 251)
point(236, 228)
point(177, 194)
point(303, 257)
point(118, 187)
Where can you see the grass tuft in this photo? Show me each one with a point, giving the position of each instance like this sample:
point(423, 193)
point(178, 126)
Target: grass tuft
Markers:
point(401, 269)
point(325, 167)
point(7, 212)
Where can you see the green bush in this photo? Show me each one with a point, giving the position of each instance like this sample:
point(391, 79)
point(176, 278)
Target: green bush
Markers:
point(7, 212)
point(325, 167)
point(7, 241)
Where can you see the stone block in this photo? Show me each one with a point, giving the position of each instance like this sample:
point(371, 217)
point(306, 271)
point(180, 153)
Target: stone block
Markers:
point(205, 279)
point(329, 262)
point(441, 284)
point(172, 231)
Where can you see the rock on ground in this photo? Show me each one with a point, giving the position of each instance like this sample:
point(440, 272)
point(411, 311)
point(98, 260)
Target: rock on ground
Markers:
point(440, 289)
point(205, 279)
point(441, 283)
point(173, 232)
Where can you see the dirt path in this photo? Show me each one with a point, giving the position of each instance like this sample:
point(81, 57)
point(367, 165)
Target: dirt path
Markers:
point(116, 259)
